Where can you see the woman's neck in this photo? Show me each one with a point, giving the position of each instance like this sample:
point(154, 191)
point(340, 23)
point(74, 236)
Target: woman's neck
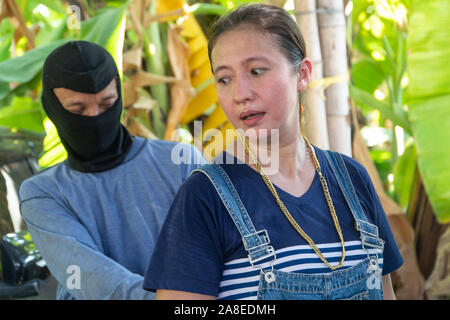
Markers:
point(287, 157)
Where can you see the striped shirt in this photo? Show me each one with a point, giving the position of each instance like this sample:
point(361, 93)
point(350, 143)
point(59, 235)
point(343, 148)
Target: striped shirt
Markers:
point(240, 280)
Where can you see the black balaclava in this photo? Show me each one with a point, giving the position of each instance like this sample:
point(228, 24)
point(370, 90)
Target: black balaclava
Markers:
point(96, 143)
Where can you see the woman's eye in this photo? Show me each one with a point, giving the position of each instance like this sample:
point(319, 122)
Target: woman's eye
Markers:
point(257, 71)
point(223, 80)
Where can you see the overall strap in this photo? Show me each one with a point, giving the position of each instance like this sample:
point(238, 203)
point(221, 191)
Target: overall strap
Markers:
point(256, 243)
point(368, 231)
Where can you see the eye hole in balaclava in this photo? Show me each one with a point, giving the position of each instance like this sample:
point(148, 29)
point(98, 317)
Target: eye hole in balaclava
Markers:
point(95, 143)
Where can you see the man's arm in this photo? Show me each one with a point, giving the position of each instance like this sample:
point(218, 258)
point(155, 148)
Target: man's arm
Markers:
point(73, 257)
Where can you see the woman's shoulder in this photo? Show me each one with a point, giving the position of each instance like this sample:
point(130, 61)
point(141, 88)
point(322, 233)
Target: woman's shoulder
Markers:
point(355, 169)
point(200, 182)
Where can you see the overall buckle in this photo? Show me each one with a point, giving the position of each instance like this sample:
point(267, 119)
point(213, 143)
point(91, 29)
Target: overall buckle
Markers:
point(256, 240)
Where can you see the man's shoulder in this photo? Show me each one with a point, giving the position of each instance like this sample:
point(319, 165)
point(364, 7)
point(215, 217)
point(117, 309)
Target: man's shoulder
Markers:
point(40, 183)
point(164, 147)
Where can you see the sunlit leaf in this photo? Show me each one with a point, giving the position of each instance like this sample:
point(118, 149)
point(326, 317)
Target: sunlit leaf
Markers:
point(404, 171)
point(365, 98)
point(429, 98)
point(23, 113)
point(25, 67)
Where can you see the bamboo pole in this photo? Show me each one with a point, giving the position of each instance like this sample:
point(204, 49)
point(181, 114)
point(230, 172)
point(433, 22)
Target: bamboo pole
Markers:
point(334, 53)
point(315, 113)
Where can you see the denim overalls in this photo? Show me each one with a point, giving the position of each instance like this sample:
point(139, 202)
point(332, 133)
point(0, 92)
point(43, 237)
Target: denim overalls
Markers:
point(359, 282)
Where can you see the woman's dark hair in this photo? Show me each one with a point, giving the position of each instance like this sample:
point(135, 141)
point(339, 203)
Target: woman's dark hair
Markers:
point(268, 19)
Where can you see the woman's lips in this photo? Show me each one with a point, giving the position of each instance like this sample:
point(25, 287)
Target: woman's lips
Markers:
point(253, 118)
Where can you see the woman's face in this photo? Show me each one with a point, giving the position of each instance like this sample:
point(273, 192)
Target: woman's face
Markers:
point(256, 85)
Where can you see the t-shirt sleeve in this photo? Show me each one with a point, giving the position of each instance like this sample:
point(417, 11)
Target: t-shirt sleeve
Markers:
point(392, 259)
point(188, 255)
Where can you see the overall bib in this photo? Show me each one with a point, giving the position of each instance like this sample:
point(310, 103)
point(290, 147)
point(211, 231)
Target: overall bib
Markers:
point(362, 281)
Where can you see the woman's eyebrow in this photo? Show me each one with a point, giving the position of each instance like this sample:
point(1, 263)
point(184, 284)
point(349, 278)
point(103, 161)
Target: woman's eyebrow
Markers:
point(219, 68)
point(257, 58)
point(246, 61)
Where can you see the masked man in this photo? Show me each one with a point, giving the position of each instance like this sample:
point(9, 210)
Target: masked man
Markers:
point(95, 217)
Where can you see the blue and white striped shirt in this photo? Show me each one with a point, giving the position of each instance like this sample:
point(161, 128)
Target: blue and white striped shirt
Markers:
point(240, 280)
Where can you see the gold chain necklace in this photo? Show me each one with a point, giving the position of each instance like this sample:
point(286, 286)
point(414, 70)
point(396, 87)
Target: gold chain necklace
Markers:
point(286, 211)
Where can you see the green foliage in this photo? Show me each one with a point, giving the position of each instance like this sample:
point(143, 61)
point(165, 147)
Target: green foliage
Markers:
point(155, 64)
point(231, 4)
point(404, 171)
point(24, 68)
point(428, 98)
point(6, 36)
point(22, 113)
point(404, 59)
point(382, 160)
point(21, 75)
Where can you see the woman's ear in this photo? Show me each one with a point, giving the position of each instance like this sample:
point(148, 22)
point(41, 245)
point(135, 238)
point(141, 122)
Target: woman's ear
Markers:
point(304, 74)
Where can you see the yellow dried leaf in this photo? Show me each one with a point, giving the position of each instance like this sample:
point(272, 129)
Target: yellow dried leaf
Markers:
point(132, 59)
point(130, 94)
point(197, 44)
point(165, 6)
point(170, 10)
point(214, 145)
point(215, 119)
point(143, 79)
point(178, 53)
point(198, 59)
point(201, 102)
point(200, 75)
point(191, 28)
point(5, 12)
point(144, 101)
point(138, 129)
point(180, 91)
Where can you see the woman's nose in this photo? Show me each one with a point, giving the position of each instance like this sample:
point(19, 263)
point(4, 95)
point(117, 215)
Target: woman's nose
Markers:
point(242, 90)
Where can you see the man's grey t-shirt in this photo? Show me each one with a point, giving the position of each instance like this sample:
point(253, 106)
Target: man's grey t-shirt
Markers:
point(96, 231)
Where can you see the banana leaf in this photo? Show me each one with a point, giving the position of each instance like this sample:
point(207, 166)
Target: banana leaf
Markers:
point(22, 113)
point(428, 98)
point(404, 171)
point(24, 68)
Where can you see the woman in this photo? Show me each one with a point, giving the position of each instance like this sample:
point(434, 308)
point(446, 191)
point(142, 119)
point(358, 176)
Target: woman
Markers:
point(235, 232)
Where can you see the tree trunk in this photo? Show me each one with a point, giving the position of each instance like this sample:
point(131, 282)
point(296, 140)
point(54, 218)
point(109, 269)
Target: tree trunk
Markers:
point(427, 228)
point(438, 284)
point(315, 113)
point(334, 54)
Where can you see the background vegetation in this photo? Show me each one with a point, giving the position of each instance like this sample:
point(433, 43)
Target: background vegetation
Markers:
point(398, 71)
